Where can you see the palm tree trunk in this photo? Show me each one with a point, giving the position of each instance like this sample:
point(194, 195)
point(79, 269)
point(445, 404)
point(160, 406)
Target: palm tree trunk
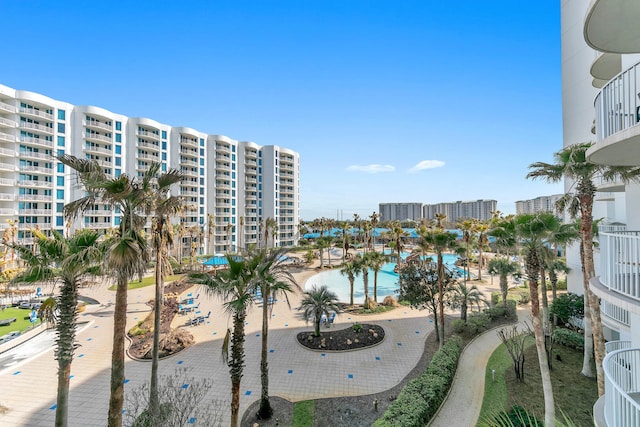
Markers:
point(441, 297)
point(236, 364)
point(116, 398)
point(365, 279)
point(154, 403)
point(66, 338)
point(504, 288)
point(375, 286)
point(549, 405)
point(545, 301)
point(587, 357)
point(480, 260)
point(351, 292)
point(265, 407)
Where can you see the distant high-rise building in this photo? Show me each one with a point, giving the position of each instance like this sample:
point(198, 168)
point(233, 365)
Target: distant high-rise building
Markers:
point(539, 204)
point(400, 211)
point(232, 187)
point(476, 209)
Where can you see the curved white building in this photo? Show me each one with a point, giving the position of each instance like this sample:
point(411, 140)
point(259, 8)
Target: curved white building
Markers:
point(232, 186)
point(601, 103)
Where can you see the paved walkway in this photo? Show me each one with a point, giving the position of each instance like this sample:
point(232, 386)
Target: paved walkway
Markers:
point(28, 389)
point(463, 405)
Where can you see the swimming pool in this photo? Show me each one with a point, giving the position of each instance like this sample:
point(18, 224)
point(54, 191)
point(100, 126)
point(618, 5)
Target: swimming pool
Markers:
point(387, 281)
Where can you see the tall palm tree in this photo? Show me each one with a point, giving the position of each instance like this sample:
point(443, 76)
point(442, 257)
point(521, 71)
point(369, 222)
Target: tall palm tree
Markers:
point(503, 231)
point(532, 231)
point(270, 229)
point(363, 262)
point(345, 227)
point(466, 226)
point(127, 254)
point(229, 230)
point(240, 247)
point(376, 261)
point(481, 229)
point(351, 269)
point(162, 206)
point(503, 267)
point(571, 164)
point(274, 280)
point(211, 226)
point(374, 219)
point(180, 232)
point(440, 217)
point(398, 234)
point(236, 286)
point(439, 241)
point(465, 296)
point(318, 302)
point(66, 260)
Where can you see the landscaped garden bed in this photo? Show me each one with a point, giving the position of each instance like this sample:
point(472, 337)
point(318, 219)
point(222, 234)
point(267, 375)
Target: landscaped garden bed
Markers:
point(354, 337)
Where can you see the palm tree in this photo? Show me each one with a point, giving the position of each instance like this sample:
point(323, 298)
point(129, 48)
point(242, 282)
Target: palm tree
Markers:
point(398, 234)
point(229, 230)
point(571, 165)
point(270, 228)
point(351, 269)
point(503, 231)
point(345, 227)
point(236, 286)
point(363, 264)
point(211, 226)
point(181, 232)
point(532, 231)
point(273, 280)
point(440, 217)
point(318, 302)
point(467, 296)
point(162, 205)
point(127, 254)
point(466, 226)
point(68, 260)
point(481, 228)
point(374, 218)
point(439, 241)
point(240, 234)
point(503, 268)
point(376, 261)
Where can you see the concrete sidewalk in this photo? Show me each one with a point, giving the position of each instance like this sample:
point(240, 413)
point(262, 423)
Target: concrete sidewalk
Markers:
point(463, 405)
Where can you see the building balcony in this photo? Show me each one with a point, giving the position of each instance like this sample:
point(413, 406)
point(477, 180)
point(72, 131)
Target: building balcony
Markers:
point(94, 149)
point(97, 225)
point(31, 140)
point(188, 162)
point(98, 137)
point(34, 183)
point(7, 212)
point(148, 145)
point(187, 172)
point(98, 212)
point(45, 212)
point(8, 197)
point(7, 107)
point(619, 280)
point(35, 126)
point(148, 134)
point(613, 312)
point(8, 167)
point(36, 113)
point(7, 137)
point(223, 148)
point(34, 198)
point(34, 169)
point(189, 193)
point(617, 115)
point(606, 66)
point(188, 143)
point(189, 152)
point(620, 406)
point(223, 166)
point(26, 154)
point(7, 182)
point(612, 26)
point(7, 123)
point(97, 125)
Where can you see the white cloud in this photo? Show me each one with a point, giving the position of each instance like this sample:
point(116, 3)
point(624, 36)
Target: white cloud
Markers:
point(371, 168)
point(427, 164)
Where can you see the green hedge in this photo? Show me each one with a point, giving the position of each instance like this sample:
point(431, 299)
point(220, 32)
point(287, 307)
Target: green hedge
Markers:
point(519, 295)
point(569, 338)
point(421, 397)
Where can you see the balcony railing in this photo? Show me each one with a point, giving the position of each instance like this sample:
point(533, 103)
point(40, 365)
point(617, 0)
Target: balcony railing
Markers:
point(614, 312)
point(617, 106)
point(611, 228)
point(620, 262)
point(38, 113)
point(622, 382)
point(97, 124)
point(32, 140)
point(616, 345)
point(98, 137)
point(7, 137)
point(35, 126)
point(6, 107)
point(7, 122)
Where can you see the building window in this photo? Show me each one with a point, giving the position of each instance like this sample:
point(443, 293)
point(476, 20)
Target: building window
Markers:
point(60, 194)
point(118, 172)
point(59, 221)
point(164, 167)
point(118, 137)
point(59, 207)
point(201, 161)
point(118, 161)
point(61, 114)
point(202, 200)
point(202, 151)
point(60, 153)
point(60, 127)
point(201, 142)
point(118, 149)
point(201, 171)
point(164, 134)
point(61, 168)
point(164, 145)
point(116, 220)
point(118, 125)
point(164, 156)
point(61, 141)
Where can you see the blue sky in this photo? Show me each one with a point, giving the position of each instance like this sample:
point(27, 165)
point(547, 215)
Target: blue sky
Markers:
point(386, 101)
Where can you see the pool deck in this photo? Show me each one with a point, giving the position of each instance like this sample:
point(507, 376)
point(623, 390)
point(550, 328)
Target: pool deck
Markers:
point(28, 390)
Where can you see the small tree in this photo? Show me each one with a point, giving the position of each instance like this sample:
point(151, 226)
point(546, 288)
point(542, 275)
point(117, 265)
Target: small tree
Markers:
point(465, 296)
point(503, 267)
point(514, 341)
point(318, 302)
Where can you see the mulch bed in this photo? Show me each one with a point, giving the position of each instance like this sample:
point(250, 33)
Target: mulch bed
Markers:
point(343, 339)
point(171, 342)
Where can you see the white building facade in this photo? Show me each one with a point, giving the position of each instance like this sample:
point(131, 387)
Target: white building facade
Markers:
point(400, 211)
point(601, 104)
point(476, 209)
point(539, 204)
point(230, 185)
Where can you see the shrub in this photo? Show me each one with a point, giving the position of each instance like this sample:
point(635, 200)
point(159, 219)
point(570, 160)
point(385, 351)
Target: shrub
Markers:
point(518, 295)
point(500, 311)
point(420, 398)
point(569, 338)
point(477, 323)
point(458, 326)
point(566, 306)
point(357, 327)
point(561, 285)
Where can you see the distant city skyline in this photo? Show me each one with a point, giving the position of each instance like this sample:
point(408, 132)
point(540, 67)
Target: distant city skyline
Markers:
point(385, 101)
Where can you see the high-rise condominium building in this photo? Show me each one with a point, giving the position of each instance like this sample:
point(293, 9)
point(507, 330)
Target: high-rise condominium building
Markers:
point(539, 204)
point(477, 209)
point(232, 187)
point(400, 211)
point(601, 104)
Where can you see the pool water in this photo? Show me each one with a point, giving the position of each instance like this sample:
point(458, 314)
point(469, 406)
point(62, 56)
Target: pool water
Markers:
point(387, 281)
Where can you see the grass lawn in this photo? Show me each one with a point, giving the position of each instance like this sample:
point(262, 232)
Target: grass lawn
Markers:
point(147, 281)
point(303, 414)
point(22, 322)
point(574, 394)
